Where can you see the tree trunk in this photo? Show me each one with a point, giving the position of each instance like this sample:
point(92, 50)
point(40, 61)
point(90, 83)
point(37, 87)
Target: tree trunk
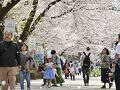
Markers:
point(1, 30)
point(25, 32)
point(28, 30)
point(3, 13)
point(5, 10)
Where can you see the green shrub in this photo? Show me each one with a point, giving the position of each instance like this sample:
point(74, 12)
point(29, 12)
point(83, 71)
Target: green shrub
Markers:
point(96, 72)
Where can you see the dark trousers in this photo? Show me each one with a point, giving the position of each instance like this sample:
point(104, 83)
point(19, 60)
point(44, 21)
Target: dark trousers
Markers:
point(86, 73)
point(66, 75)
point(72, 77)
point(117, 77)
point(104, 75)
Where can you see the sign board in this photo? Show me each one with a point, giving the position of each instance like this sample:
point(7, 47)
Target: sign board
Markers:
point(49, 54)
point(39, 56)
point(10, 25)
point(32, 43)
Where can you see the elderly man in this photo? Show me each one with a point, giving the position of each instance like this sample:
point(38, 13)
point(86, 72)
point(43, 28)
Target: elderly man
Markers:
point(9, 60)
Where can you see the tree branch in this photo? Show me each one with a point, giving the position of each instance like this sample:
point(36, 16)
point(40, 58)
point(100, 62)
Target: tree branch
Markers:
point(0, 6)
point(8, 7)
point(42, 15)
point(66, 3)
point(68, 11)
point(1, 2)
point(25, 32)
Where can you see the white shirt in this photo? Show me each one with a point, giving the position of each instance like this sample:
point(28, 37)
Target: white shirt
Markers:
point(117, 49)
point(83, 56)
point(72, 69)
point(49, 65)
point(56, 59)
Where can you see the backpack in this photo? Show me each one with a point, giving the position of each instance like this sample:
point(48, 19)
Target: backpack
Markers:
point(31, 63)
point(86, 61)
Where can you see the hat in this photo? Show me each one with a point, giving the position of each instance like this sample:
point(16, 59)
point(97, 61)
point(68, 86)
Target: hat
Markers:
point(53, 52)
point(88, 48)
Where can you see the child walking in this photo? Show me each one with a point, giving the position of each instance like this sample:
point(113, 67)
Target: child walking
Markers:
point(49, 73)
point(72, 72)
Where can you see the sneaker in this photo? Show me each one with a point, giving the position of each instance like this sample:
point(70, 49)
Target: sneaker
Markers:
point(103, 87)
point(87, 84)
point(28, 88)
point(55, 85)
point(43, 84)
point(49, 86)
point(110, 85)
point(61, 84)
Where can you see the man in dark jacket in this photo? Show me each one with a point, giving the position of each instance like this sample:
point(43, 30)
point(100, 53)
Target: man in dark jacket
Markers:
point(117, 64)
point(9, 61)
point(86, 59)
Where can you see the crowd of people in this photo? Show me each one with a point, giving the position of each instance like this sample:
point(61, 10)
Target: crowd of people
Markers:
point(16, 58)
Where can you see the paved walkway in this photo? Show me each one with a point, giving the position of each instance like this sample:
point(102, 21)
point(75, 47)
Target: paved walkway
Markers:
point(95, 84)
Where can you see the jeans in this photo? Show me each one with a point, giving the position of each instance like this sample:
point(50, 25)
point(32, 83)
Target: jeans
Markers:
point(24, 75)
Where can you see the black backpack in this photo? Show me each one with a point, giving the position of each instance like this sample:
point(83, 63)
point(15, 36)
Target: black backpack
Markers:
point(86, 61)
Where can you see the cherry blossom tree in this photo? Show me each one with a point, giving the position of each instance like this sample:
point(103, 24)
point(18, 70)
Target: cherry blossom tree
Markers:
point(3, 12)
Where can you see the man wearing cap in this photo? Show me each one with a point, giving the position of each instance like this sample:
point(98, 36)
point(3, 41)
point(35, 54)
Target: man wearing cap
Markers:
point(9, 61)
point(86, 61)
point(117, 66)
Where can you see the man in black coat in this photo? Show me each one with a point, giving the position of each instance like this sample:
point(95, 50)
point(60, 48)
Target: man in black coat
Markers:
point(117, 64)
point(9, 61)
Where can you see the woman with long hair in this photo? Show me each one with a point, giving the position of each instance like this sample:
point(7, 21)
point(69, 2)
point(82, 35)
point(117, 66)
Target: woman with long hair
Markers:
point(105, 66)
